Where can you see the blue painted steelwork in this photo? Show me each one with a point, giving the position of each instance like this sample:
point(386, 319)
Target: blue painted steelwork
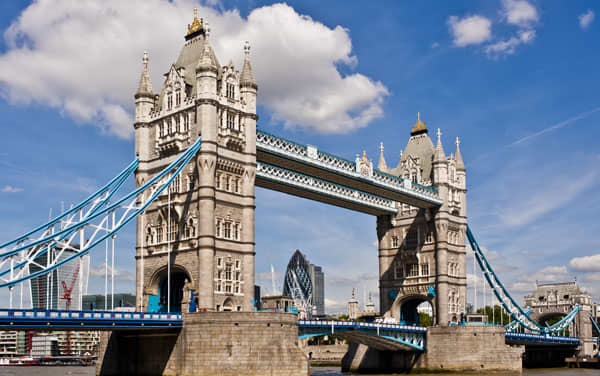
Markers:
point(312, 184)
point(595, 324)
point(409, 335)
point(38, 248)
point(132, 210)
point(546, 339)
point(514, 324)
point(125, 173)
point(15, 319)
point(507, 300)
point(275, 145)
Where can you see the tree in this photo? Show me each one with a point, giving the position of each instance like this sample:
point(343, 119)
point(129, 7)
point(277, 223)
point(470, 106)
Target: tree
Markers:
point(425, 319)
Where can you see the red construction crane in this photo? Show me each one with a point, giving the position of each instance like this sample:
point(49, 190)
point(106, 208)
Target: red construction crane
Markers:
point(67, 296)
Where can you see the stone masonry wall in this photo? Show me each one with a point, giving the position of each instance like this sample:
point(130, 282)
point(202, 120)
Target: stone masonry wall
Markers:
point(451, 348)
point(210, 343)
point(470, 348)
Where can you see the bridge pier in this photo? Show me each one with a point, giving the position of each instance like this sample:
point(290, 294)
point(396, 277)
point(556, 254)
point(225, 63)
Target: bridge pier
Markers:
point(454, 348)
point(209, 343)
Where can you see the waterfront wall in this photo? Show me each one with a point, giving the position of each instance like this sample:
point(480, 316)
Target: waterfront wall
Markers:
point(456, 348)
point(210, 344)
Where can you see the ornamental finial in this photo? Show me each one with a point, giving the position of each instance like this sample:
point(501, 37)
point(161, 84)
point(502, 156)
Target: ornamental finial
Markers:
point(247, 48)
point(439, 135)
point(197, 26)
point(419, 126)
point(145, 60)
point(381, 146)
point(457, 142)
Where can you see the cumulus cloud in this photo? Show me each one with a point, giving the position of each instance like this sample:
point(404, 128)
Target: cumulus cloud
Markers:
point(83, 59)
point(11, 189)
point(520, 13)
point(586, 19)
point(470, 30)
point(508, 47)
point(586, 263)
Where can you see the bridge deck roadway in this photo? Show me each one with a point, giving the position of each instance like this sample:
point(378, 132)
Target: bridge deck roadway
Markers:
point(374, 341)
point(19, 319)
point(294, 157)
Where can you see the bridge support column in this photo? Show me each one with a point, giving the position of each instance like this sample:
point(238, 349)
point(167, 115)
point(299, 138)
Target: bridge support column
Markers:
point(451, 348)
point(584, 330)
point(441, 264)
point(210, 343)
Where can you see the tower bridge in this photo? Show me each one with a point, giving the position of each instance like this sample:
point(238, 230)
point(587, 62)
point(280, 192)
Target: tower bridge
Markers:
point(199, 156)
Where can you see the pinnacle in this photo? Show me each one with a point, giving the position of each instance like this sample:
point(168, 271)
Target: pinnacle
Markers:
point(247, 77)
point(145, 85)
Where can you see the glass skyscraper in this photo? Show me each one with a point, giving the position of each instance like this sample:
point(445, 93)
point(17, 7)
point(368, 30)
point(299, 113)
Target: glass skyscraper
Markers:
point(49, 291)
point(309, 277)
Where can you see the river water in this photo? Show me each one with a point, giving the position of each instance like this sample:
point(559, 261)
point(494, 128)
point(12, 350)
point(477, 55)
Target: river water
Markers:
point(334, 371)
point(316, 371)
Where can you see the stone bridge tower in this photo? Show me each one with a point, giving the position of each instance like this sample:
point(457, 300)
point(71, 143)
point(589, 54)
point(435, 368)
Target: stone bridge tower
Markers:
point(556, 300)
point(422, 252)
point(205, 222)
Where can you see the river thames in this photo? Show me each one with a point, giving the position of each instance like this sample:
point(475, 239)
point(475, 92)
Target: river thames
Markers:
point(317, 371)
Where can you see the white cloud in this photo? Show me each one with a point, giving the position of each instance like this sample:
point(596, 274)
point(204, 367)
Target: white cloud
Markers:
point(546, 198)
point(586, 263)
point(83, 58)
point(508, 47)
point(470, 30)
point(100, 270)
point(586, 19)
point(520, 12)
point(11, 189)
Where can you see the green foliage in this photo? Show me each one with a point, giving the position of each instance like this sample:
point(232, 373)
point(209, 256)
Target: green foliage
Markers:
point(495, 315)
point(425, 319)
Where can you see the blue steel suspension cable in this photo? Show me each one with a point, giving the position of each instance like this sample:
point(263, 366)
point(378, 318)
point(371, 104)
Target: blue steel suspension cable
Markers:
point(484, 264)
point(76, 226)
point(126, 172)
point(119, 180)
point(184, 158)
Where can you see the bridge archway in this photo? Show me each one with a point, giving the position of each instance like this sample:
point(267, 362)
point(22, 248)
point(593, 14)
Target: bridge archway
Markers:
point(407, 311)
point(157, 300)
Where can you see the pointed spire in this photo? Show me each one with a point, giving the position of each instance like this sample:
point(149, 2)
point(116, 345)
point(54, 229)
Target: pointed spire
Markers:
point(247, 78)
point(145, 86)
point(382, 165)
point(207, 61)
point(439, 149)
point(460, 165)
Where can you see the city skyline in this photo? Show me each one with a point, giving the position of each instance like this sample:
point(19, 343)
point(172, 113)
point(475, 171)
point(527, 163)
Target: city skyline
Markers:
point(528, 128)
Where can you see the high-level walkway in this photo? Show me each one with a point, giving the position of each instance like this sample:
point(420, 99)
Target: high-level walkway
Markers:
point(305, 171)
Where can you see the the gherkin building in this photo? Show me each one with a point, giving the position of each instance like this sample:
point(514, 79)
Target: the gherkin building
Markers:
point(300, 267)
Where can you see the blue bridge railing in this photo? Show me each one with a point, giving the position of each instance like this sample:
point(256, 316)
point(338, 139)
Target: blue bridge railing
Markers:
point(529, 338)
point(13, 319)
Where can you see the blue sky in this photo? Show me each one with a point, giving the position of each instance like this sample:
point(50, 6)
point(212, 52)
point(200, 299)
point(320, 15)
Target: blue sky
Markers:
point(515, 80)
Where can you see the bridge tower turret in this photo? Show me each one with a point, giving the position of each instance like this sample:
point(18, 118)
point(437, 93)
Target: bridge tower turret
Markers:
point(202, 229)
point(422, 251)
point(144, 102)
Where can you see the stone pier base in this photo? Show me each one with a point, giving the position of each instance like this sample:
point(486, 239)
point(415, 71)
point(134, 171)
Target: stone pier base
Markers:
point(458, 348)
point(210, 343)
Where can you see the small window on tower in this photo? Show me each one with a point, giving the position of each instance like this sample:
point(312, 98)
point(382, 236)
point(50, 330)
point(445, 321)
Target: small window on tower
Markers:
point(230, 120)
point(178, 98)
point(230, 91)
point(394, 241)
